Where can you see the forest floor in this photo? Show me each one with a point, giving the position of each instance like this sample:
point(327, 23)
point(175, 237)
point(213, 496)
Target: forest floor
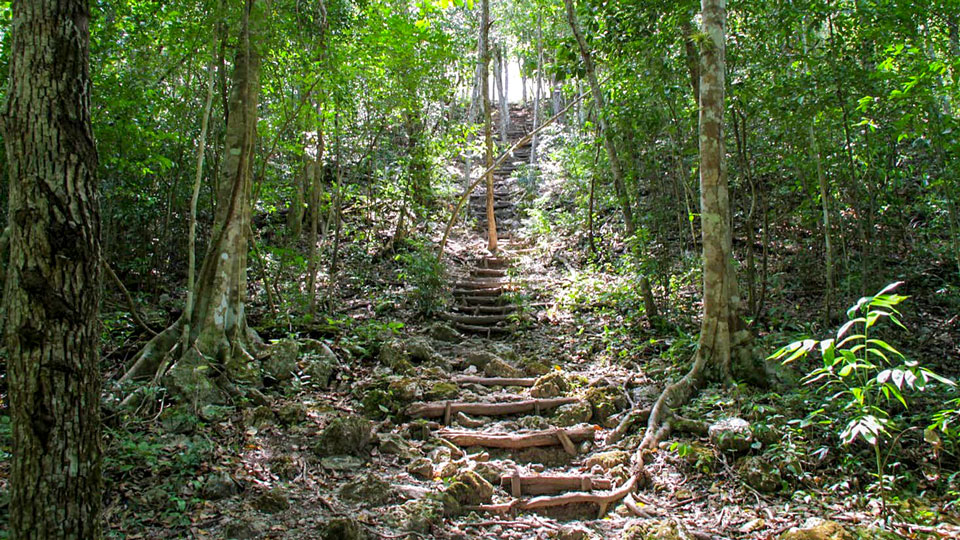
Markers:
point(505, 413)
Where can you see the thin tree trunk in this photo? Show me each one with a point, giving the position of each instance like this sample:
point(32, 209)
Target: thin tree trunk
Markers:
point(500, 74)
point(316, 176)
point(197, 181)
point(538, 96)
point(52, 290)
point(487, 128)
point(598, 100)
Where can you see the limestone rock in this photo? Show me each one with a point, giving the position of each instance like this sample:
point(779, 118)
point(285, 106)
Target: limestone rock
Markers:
point(605, 401)
point(272, 501)
point(442, 331)
point(499, 368)
point(480, 359)
point(391, 443)
point(659, 529)
point(419, 349)
point(470, 489)
point(293, 413)
point(421, 468)
point(345, 435)
point(258, 417)
point(441, 391)
point(285, 467)
point(244, 528)
point(760, 474)
point(534, 422)
point(188, 381)
point(817, 529)
point(550, 385)
point(420, 516)
point(572, 414)
point(219, 486)
point(368, 489)
point(491, 471)
point(731, 435)
point(281, 364)
point(608, 460)
point(343, 529)
point(572, 533)
point(393, 354)
point(319, 362)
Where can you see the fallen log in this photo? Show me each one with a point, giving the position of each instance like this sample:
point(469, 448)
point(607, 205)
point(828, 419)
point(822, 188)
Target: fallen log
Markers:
point(436, 409)
point(511, 441)
point(548, 484)
point(488, 330)
point(496, 381)
point(603, 500)
point(477, 320)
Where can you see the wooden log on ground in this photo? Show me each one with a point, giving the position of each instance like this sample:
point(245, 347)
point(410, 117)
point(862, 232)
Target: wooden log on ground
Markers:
point(477, 320)
point(486, 330)
point(486, 310)
point(602, 499)
point(496, 381)
point(551, 484)
point(481, 300)
point(493, 291)
point(485, 283)
point(516, 441)
point(435, 409)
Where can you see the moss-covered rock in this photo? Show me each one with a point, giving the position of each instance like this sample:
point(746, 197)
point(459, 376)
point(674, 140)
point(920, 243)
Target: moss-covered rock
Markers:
point(442, 331)
point(605, 401)
point(345, 435)
point(480, 359)
point(533, 367)
point(281, 360)
point(419, 349)
point(551, 385)
point(817, 529)
point(343, 529)
point(442, 391)
point(368, 489)
point(422, 515)
point(760, 474)
point(470, 489)
point(658, 529)
point(285, 467)
point(500, 368)
point(731, 435)
point(272, 501)
point(292, 413)
point(188, 381)
point(421, 468)
point(572, 414)
point(608, 460)
point(258, 417)
point(392, 353)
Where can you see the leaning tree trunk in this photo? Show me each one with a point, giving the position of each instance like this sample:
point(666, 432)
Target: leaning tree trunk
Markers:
point(719, 280)
point(487, 127)
point(220, 334)
point(52, 291)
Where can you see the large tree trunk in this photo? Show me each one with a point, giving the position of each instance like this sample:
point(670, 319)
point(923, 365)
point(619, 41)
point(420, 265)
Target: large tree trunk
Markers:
point(220, 334)
point(52, 292)
point(720, 296)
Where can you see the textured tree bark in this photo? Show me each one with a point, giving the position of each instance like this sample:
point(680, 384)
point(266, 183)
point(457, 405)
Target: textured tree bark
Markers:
point(52, 292)
point(538, 95)
point(220, 333)
point(487, 127)
point(719, 281)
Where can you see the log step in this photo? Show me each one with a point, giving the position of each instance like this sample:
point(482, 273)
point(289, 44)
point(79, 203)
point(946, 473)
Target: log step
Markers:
point(476, 320)
point(511, 441)
point(551, 484)
point(483, 283)
point(470, 301)
point(488, 272)
point(437, 409)
point(496, 381)
point(485, 310)
point(493, 291)
point(482, 330)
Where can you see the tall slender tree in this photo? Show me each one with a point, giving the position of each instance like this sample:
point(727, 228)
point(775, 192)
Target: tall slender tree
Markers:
point(52, 292)
point(719, 280)
point(487, 124)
